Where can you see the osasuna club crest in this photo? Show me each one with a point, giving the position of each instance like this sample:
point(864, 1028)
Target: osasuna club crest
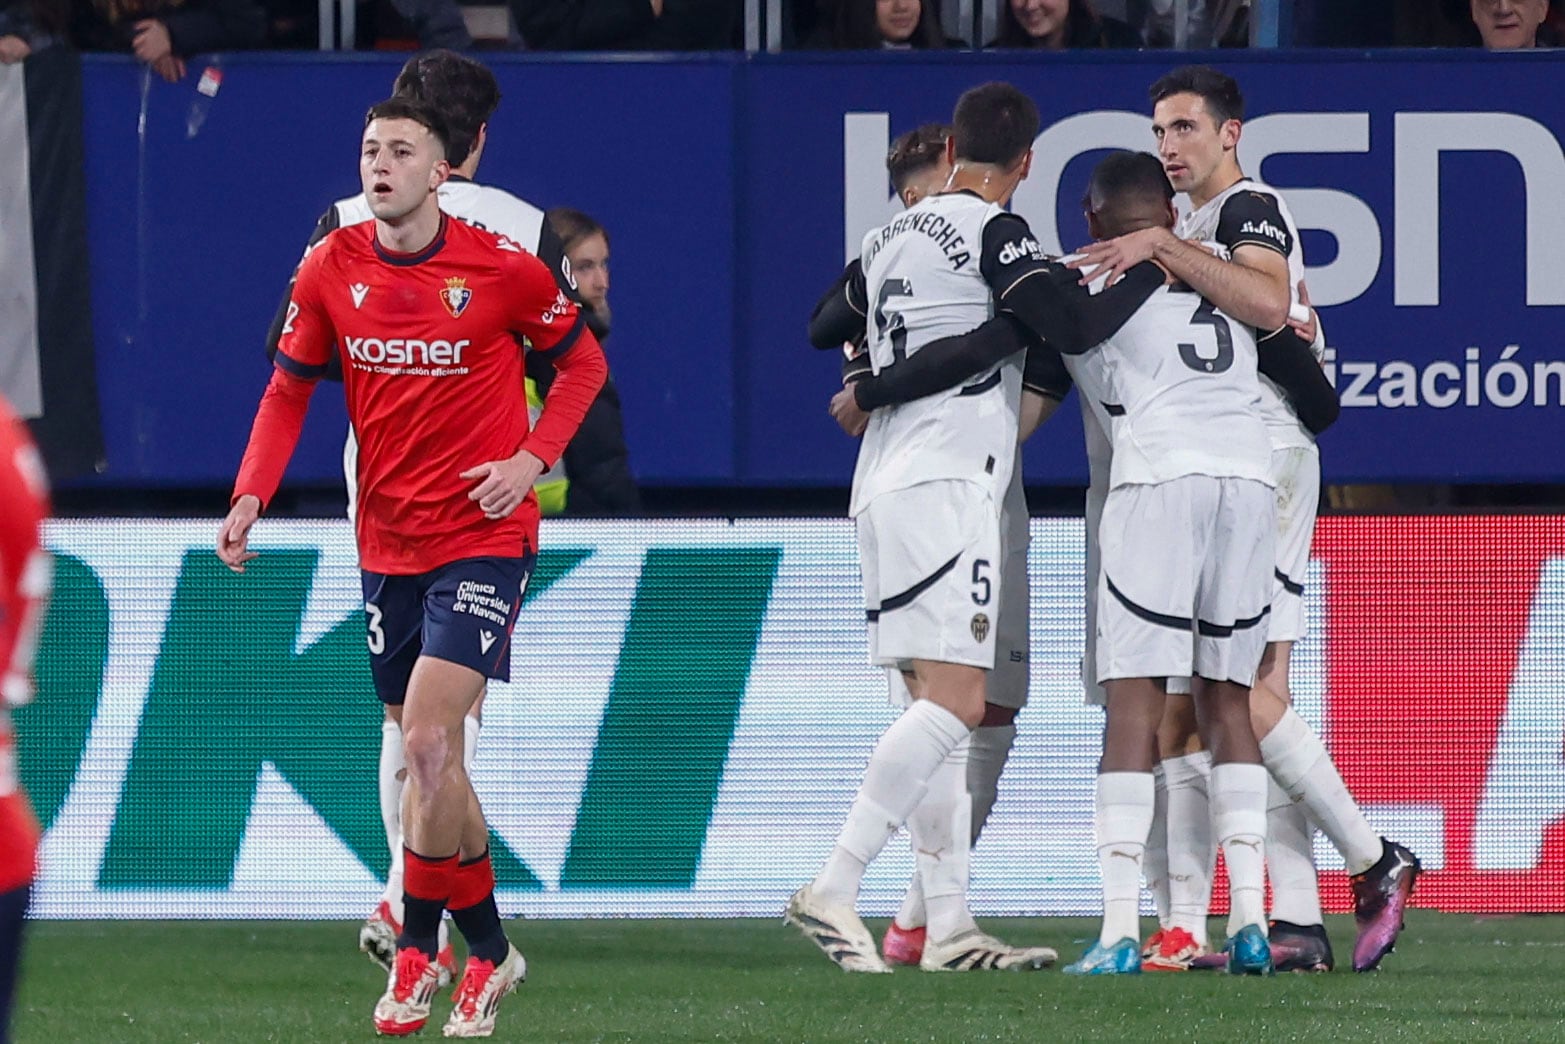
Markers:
point(456, 297)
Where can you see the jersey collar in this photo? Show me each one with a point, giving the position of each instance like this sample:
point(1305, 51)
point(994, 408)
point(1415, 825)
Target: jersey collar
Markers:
point(392, 257)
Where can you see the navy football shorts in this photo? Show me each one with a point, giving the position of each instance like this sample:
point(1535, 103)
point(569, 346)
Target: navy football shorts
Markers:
point(462, 612)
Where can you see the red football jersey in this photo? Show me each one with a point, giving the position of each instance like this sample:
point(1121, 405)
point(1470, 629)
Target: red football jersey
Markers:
point(25, 573)
point(431, 346)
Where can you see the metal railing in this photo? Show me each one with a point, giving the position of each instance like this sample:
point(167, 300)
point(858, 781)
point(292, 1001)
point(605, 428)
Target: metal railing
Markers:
point(1271, 21)
point(973, 20)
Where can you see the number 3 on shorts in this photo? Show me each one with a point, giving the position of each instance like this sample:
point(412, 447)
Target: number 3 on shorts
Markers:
point(376, 636)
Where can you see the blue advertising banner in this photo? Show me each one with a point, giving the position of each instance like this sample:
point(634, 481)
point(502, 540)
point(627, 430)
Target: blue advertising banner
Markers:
point(1427, 185)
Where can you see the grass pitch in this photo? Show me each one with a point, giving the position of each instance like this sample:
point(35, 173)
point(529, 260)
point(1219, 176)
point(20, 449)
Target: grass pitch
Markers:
point(1455, 977)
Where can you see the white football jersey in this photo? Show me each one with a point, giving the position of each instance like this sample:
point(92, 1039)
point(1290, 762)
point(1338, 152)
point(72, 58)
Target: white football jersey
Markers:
point(1184, 395)
point(1209, 223)
point(1090, 375)
point(923, 282)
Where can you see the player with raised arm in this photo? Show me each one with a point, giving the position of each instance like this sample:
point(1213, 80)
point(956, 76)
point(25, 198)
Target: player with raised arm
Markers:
point(926, 492)
point(430, 314)
point(1197, 120)
point(464, 92)
point(26, 570)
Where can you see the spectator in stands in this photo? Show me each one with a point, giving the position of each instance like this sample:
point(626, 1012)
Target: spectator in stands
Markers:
point(593, 479)
point(27, 26)
point(587, 249)
point(389, 24)
point(1194, 25)
point(626, 25)
point(1058, 25)
point(164, 33)
point(1508, 25)
point(873, 25)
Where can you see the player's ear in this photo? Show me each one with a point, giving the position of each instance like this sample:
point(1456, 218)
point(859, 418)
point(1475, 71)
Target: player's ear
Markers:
point(1026, 165)
point(950, 150)
point(438, 174)
point(1229, 133)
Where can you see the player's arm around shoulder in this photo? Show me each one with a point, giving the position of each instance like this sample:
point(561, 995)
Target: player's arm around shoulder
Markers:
point(1259, 239)
point(840, 315)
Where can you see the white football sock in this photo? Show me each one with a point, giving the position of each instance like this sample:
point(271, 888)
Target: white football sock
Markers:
point(911, 913)
point(1154, 863)
point(1290, 860)
point(908, 753)
point(986, 758)
point(470, 727)
point(941, 829)
point(1191, 856)
point(1124, 816)
point(1299, 762)
point(391, 778)
point(1239, 820)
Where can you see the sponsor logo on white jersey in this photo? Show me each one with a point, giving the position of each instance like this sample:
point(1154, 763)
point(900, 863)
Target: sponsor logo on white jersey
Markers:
point(1015, 250)
point(1267, 229)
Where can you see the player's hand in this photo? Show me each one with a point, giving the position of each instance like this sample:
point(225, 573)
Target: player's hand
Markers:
point(13, 49)
point(233, 539)
point(151, 41)
point(845, 411)
point(503, 484)
point(1114, 257)
point(1305, 328)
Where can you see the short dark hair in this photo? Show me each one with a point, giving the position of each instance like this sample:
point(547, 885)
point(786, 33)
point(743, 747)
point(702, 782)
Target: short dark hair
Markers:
point(994, 123)
point(1126, 189)
point(1129, 175)
point(572, 226)
point(915, 152)
point(461, 89)
point(1218, 90)
point(397, 108)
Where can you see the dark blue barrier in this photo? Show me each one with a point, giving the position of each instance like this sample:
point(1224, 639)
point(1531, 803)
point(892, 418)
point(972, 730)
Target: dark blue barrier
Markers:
point(724, 185)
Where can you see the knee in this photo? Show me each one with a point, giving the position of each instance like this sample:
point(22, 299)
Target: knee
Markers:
point(425, 749)
point(969, 707)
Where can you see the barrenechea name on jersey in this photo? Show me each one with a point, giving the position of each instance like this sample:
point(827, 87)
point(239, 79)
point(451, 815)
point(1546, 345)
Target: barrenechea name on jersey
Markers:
point(929, 223)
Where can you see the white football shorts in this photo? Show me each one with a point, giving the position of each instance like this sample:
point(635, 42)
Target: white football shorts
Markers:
point(1296, 475)
point(931, 563)
point(1186, 585)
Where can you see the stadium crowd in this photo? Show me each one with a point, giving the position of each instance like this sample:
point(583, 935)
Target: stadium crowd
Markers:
point(164, 33)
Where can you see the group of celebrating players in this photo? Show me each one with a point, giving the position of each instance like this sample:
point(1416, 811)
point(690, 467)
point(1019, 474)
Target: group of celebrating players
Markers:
point(1195, 355)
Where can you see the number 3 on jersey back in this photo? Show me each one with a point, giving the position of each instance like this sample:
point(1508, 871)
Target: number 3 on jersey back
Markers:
point(1206, 314)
